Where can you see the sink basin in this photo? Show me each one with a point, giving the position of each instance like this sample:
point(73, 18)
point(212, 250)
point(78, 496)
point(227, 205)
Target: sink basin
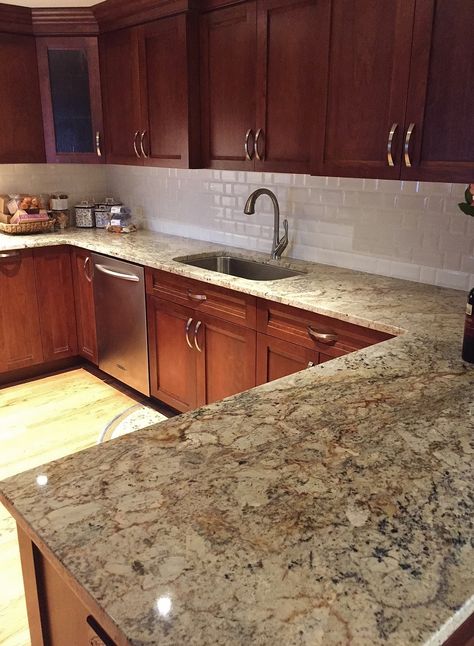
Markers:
point(241, 267)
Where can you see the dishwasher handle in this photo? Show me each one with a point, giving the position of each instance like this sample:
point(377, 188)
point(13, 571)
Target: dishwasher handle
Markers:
point(116, 274)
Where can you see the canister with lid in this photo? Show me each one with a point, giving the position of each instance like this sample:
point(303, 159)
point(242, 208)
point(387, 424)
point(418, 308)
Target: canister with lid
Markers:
point(85, 214)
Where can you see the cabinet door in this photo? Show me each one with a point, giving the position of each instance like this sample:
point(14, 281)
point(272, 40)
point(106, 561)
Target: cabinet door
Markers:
point(21, 127)
point(55, 302)
point(20, 332)
point(293, 42)
point(277, 358)
point(441, 94)
point(84, 301)
point(367, 83)
point(172, 356)
point(228, 50)
point(71, 99)
point(169, 93)
point(120, 87)
point(225, 359)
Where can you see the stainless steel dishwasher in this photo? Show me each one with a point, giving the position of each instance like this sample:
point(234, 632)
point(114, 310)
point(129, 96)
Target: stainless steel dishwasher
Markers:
point(119, 297)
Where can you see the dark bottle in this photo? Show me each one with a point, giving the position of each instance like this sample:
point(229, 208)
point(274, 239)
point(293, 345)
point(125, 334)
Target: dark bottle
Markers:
point(468, 344)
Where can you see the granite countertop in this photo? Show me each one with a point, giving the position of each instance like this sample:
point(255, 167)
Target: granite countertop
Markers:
point(333, 506)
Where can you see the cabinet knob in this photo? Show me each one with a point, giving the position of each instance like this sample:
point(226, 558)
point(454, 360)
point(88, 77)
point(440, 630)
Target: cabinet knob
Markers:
point(311, 364)
point(259, 156)
point(391, 135)
point(322, 337)
point(98, 149)
point(197, 297)
point(196, 342)
point(186, 332)
point(135, 144)
point(248, 154)
point(410, 130)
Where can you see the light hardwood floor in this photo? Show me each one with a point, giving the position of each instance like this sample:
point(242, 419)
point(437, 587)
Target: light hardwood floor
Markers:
point(40, 421)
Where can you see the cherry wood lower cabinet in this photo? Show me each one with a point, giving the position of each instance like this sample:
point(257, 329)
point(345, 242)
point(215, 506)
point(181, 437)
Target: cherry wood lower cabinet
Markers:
point(59, 611)
point(84, 300)
point(277, 358)
point(20, 338)
point(55, 302)
point(196, 358)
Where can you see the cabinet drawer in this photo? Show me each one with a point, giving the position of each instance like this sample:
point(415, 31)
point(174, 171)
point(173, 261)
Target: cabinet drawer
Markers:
point(330, 336)
point(202, 297)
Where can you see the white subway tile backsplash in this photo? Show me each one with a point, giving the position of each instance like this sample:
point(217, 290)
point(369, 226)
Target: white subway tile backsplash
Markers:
point(411, 230)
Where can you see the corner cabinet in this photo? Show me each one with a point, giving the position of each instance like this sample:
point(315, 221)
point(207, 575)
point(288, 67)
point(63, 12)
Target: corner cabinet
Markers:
point(71, 99)
point(261, 72)
point(37, 314)
point(21, 127)
point(202, 340)
point(151, 91)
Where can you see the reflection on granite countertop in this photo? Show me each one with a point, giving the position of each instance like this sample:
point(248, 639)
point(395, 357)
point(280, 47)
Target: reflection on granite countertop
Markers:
point(330, 507)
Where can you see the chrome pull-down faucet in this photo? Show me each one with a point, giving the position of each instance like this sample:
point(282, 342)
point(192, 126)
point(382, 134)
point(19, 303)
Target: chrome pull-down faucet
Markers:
point(279, 244)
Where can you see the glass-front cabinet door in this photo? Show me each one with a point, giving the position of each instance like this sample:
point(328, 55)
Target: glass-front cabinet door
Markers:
point(71, 99)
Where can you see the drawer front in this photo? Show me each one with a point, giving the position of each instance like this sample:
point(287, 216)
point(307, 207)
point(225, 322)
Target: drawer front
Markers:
point(202, 297)
point(330, 336)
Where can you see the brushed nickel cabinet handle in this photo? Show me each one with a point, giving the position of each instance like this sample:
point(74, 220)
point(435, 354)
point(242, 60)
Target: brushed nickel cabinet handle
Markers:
point(255, 145)
point(188, 327)
point(197, 297)
point(87, 263)
point(135, 144)
point(322, 337)
point(391, 135)
point(196, 330)
point(248, 154)
point(98, 149)
point(9, 254)
point(410, 130)
point(142, 137)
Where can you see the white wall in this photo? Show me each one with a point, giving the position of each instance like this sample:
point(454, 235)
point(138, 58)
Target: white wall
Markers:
point(411, 230)
point(79, 181)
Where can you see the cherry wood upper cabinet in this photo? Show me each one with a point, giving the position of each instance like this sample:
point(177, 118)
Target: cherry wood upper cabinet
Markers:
point(55, 296)
point(20, 332)
point(21, 127)
point(169, 92)
point(151, 88)
point(71, 99)
point(263, 70)
point(293, 40)
point(121, 95)
point(441, 93)
point(228, 100)
point(367, 80)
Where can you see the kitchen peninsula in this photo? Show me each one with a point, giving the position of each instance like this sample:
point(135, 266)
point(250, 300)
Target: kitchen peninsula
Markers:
point(332, 506)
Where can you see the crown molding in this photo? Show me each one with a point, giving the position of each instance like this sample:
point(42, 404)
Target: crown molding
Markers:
point(62, 21)
point(15, 20)
point(116, 14)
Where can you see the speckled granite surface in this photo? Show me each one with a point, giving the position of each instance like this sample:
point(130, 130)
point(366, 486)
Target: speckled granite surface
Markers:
point(331, 507)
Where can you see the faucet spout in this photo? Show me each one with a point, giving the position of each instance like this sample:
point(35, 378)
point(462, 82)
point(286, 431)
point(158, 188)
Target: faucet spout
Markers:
point(279, 244)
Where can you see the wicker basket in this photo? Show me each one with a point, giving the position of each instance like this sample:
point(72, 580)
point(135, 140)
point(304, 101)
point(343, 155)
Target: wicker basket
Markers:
point(27, 227)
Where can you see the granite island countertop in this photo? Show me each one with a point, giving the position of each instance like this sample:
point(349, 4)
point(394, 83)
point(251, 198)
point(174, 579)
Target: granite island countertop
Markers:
point(333, 506)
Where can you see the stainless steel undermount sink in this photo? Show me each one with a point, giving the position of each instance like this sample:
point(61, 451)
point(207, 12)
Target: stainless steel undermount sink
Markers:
point(241, 267)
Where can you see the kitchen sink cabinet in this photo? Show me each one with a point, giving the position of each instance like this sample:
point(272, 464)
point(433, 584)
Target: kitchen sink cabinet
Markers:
point(55, 296)
point(20, 335)
point(84, 301)
point(71, 99)
point(21, 127)
point(150, 86)
point(172, 357)
point(260, 82)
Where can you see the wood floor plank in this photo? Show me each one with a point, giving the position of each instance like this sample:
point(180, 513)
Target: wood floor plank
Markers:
point(40, 421)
